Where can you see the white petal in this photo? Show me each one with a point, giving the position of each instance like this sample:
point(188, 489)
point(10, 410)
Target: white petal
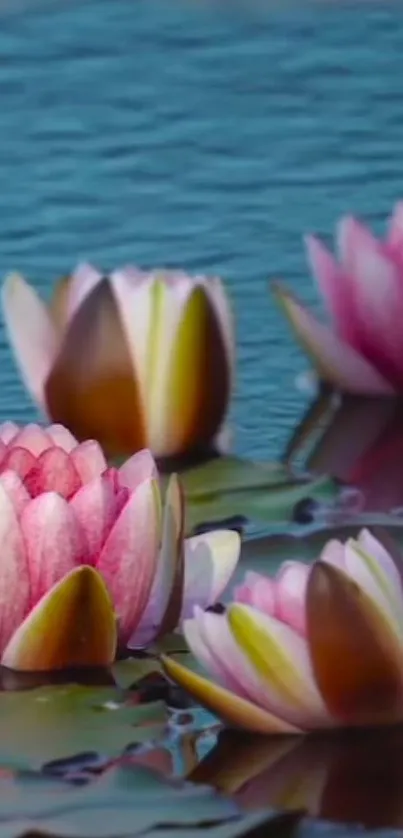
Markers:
point(31, 334)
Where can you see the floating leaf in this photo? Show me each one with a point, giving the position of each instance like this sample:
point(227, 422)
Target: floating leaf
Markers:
point(233, 474)
point(266, 553)
point(268, 504)
point(124, 800)
point(49, 723)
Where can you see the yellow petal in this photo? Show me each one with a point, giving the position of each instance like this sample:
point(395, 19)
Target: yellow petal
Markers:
point(235, 711)
point(58, 306)
point(92, 388)
point(198, 381)
point(356, 656)
point(281, 658)
point(73, 625)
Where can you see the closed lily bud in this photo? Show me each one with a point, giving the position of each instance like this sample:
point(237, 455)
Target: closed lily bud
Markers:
point(132, 360)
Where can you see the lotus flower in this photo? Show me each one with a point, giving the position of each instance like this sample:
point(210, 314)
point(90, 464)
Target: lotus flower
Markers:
point(87, 556)
point(363, 350)
point(135, 360)
point(316, 647)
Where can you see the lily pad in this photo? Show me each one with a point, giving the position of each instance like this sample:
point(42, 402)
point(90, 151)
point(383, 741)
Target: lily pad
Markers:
point(124, 800)
point(51, 723)
point(275, 504)
point(265, 554)
point(224, 474)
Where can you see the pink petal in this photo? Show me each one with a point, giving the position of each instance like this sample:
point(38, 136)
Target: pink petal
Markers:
point(257, 590)
point(336, 362)
point(61, 437)
point(89, 460)
point(14, 579)
point(31, 334)
point(334, 285)
point(128, 559)
point(395, 232)
point(291, 585)
point(16, 490)
point(19, 460)
point(378, 295)
point(53, 471)
point(8, 430)
point(141, 466)
point(96, 510)
point(54, 541)
point(34, 438)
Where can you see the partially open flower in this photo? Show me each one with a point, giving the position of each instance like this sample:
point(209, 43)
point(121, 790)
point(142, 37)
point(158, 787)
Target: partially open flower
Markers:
point(134, 360)
point(362, 351)
point(316, 647)
point(90, 556)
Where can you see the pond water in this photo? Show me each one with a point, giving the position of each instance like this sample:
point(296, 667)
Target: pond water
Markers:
point(211, 137)
point(201, 135)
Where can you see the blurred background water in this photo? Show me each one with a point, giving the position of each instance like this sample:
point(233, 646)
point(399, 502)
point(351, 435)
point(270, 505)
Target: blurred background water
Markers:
point(202, 135)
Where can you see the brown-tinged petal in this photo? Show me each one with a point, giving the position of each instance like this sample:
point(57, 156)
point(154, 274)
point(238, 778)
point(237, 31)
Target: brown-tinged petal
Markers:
point(365, 779)
point(235, 711)
point(198, 381)
point(356, 656)
point(59, 303)
point(237, 758)
point(92, 388)
point(73, 625)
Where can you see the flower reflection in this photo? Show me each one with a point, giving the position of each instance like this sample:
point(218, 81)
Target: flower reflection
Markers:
point(359, 441)
point(355, 777)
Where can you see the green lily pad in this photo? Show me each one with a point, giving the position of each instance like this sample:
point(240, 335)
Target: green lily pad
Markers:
point(126, 800)
point(256, 825)
point(233, 474)
point(50, 723)
point(265, 554)
point(267, 504)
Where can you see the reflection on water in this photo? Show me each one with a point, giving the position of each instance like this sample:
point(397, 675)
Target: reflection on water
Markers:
point(355, 777)
point(357, 440)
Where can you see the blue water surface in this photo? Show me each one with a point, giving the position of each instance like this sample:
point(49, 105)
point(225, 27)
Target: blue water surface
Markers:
point(203, 135)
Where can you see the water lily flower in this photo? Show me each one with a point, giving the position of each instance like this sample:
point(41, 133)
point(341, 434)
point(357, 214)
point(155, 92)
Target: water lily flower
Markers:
point(362, 351)
point(90, 555)
point(134, 360)
point(319, 646)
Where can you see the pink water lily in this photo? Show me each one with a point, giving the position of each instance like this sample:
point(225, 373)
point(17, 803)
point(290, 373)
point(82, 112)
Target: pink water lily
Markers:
point(362, 351)
point(134, 360)
point(90, 554)
point(316, 647)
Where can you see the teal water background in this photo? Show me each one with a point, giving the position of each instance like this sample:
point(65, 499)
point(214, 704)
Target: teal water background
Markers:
point(201, 135)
